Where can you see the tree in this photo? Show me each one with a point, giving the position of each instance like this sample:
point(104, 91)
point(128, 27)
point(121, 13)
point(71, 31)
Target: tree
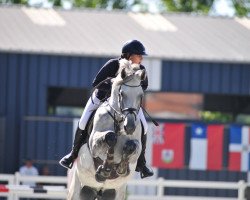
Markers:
point(188, 5)
point(242, 7)
point(91, 3)
point(107, 4)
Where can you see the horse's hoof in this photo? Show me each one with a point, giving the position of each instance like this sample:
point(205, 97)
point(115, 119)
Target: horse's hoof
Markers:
point(123, 169)
point(124, 173)
point(101, 174)
point(99, 178)
point(103, 171)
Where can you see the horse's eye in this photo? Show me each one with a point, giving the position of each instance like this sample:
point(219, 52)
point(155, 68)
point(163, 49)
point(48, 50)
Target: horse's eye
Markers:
point(121, 93)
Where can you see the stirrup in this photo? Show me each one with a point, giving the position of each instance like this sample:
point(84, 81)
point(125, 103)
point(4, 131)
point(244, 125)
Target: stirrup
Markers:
point(146, 172)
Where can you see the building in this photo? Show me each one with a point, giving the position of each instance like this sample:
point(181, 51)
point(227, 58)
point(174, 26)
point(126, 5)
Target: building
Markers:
point(47, 56)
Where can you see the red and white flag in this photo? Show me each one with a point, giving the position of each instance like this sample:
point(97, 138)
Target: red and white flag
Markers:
point(206, 147)
point(168, 146)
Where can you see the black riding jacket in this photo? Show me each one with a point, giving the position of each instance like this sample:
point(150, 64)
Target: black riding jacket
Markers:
point(110, 69)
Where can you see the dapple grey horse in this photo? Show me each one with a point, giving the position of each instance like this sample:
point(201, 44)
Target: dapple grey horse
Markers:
point(107, 162)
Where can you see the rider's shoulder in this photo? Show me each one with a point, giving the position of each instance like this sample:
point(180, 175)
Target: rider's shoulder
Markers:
point(142, 66)
point(111, 64)
point(113, 61)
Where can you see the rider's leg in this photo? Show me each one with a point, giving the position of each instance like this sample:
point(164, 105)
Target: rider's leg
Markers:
point(141, 167)
point(81, 134)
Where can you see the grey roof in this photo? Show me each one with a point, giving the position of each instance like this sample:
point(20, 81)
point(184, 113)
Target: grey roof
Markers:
point(102, 33)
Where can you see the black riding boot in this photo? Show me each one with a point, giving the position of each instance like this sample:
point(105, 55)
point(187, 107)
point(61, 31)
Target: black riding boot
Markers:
point(141, 163)
point(80, 139)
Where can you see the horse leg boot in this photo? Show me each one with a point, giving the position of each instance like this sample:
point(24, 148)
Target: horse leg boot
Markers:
point(80, 138)
point(128, 150)
point(141, 167)
point(104, 170)
point(81, 134)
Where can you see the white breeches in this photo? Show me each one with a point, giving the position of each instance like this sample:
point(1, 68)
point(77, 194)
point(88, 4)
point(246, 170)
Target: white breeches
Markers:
point(91, 106)
point(143, 120)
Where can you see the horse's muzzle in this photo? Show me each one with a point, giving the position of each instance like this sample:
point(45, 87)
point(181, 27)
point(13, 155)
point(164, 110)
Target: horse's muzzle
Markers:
point(129, 124)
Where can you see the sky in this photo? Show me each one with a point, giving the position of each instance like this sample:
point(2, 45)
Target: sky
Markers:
point(223, 8)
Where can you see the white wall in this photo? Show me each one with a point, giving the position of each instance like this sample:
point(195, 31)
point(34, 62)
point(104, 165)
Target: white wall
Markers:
point(154, 68)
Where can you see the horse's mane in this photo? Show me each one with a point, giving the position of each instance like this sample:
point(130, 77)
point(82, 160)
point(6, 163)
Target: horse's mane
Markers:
point(128, 65)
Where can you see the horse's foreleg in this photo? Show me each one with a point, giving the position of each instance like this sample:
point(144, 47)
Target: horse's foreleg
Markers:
point(111, 140)
point(109, 194)
point(104, 170)
point(128, 150)
point(74, 186)
point(88, 193)
point(121, 193)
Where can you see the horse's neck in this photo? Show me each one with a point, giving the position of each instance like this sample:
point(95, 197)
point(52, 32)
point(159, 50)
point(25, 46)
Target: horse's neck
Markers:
point(114, 102)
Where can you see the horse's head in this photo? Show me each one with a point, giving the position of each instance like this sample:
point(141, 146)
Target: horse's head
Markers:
point(128, 93)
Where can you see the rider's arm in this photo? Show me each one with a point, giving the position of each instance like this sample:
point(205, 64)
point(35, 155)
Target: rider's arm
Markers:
point(109, 69)
point(144, 83)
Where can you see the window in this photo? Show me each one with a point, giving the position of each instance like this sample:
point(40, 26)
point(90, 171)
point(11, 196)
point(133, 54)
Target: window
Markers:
point(67, 101)
point(194, 106)
point(172, 105)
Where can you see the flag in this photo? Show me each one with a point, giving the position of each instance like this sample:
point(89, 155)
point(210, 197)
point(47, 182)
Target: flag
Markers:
point(239, 148)
point(168, 145)
point(206, 147)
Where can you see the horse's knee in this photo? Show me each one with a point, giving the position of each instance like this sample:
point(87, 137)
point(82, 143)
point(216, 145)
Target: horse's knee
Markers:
point(130, 146)
point(111, 139)
point(88, 193)
point(109, 194)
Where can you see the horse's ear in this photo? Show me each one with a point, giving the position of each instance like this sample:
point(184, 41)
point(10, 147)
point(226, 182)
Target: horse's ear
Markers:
point(123, 73)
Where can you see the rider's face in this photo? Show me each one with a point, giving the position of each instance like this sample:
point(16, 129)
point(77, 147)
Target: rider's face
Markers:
point(136, 58)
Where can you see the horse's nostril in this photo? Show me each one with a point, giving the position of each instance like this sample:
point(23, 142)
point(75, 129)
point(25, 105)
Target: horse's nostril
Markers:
point(129, 124)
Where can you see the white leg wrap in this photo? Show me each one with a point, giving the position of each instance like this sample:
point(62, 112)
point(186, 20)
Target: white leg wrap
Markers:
point(144, 122)
point(89, 108)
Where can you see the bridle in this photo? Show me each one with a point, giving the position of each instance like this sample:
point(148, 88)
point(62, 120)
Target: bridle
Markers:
point(121, 114)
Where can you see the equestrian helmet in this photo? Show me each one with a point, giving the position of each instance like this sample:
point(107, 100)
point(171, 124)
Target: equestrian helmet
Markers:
point(134, 47)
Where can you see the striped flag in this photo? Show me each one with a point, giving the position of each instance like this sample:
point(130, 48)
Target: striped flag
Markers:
point(206, 147)
point(239, 148)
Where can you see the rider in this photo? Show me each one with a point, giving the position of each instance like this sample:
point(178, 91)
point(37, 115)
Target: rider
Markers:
point(132, 51)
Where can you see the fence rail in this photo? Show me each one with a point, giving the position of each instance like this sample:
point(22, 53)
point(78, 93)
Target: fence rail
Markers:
point(13, 190)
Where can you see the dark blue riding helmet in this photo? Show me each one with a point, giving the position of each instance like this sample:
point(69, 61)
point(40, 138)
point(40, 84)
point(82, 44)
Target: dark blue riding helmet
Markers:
point(134, 47)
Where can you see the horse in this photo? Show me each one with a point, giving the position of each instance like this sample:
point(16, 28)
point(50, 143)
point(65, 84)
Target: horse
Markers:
point(108, 160)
